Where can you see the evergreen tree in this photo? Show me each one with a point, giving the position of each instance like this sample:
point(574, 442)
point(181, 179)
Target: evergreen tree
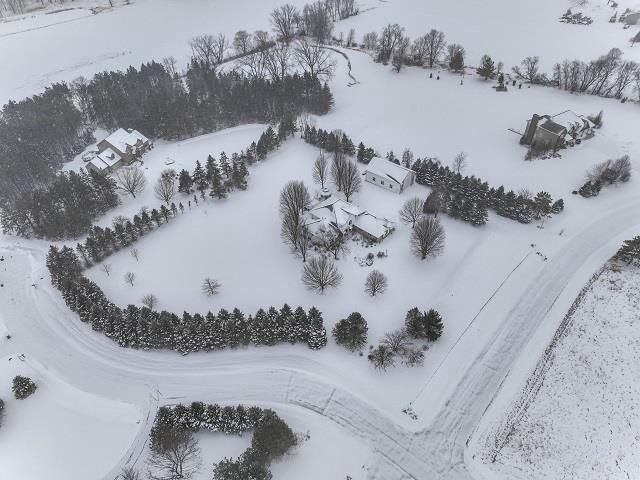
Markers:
point(184, 182)
point(433, 324)
point(630, 251)
point(199, 177)
point(351, 332)
point(487, 68)
point(317, 336)
point(218, 188)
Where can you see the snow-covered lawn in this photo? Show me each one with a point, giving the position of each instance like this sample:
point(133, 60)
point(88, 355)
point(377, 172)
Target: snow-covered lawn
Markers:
point(583, 421)
point(69, 434)
point(324, 451)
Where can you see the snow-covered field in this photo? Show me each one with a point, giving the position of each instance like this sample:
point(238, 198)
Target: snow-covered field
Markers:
point(492, 285)
point(582, 422)
point(69, 434)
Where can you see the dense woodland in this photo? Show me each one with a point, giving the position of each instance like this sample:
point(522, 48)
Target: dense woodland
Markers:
point(144, 328)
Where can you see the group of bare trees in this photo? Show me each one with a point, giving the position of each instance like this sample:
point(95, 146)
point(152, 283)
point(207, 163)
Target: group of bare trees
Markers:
point(608, 76)
point(276, 60)
point(427, 234)
point(429, 49)
point(345, 175)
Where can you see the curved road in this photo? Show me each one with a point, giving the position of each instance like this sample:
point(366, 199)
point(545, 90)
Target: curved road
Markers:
point(42, 326)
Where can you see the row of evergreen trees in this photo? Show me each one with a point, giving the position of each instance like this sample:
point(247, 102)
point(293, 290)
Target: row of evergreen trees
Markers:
point(221, 177)
point(226, 174)
point(468, 198)
point(65, 208)
point(144, 328)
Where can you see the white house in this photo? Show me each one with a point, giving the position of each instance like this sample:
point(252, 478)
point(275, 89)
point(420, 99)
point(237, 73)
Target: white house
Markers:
point(335, 214)
point(389, 175)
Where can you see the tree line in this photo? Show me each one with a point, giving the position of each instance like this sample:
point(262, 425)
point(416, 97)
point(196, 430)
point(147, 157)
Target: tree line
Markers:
point(144, 328)
point(468, 198)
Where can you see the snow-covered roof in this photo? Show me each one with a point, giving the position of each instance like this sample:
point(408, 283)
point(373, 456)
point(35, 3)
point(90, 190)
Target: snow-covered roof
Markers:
point(375, 226)
point(343, 215)
point(335, 210)
point(121, 139)
point(105, 159)
point(384, 168)
point(568, 119)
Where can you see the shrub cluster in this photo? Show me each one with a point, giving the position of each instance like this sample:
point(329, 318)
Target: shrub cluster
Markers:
point(272, 437)
point(608, 172)
point(145, 328)
point(23, 387)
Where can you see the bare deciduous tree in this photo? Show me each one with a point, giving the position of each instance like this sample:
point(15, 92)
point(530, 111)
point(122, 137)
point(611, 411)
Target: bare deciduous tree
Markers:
point(165, 188)
point(135, 253)
point(334, 243)
point(284, 21)
point(242, 42)
point(345, 175)
point(175, 454)
point(400, 53)
point(370, 41)
point(294, 198)
point(381, 357)
point(131, 180)
point(427, 238)
point(208, 49)
point(320, 273)
point(397, 341)
point(435, 44)
point(170, 64)
point(106, 268)
point(149, 300)
point(278, 60)
point(375, 283)
point(210, 286)
point(411, 211)
point(528, 69)
point(320, 170)
point(314, 60)
point(130, 277)
point(459, 162)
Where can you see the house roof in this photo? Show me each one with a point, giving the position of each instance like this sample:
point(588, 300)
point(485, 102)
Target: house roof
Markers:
point(337, 212)
point(384, 168)
point(121, 139)
point(375, 226)
point(105, 159)
point(569, 119)
point(553, 127)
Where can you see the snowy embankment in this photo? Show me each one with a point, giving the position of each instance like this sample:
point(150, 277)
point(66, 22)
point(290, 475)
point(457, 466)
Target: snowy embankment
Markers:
point(581, 424)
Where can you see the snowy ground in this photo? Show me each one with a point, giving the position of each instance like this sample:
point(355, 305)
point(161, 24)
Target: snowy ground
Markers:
point(581, 423)
point(79, 43)
point(317, 435)
point(492, 288)
point(72, 435)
